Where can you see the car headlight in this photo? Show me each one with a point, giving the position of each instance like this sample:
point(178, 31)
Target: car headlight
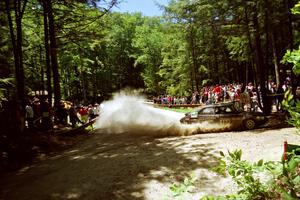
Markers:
point(260, 117)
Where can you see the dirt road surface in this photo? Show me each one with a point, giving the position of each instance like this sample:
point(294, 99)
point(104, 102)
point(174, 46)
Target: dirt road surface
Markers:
point(110, 166)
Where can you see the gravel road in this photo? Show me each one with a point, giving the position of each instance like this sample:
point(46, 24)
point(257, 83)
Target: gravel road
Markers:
point(121, 166)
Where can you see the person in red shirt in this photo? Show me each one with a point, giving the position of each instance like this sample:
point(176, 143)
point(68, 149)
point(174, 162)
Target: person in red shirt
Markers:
point(83, 111)
point(217, 92)
point(237, 95)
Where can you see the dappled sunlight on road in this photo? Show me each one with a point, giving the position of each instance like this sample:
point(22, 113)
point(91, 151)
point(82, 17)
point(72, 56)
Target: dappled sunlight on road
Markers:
point(109, 166)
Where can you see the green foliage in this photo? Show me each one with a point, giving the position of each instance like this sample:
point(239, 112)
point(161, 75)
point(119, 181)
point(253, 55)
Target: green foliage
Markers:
point(4, 84)
point(208, 197)
point(261, 180)
point(238, 48)
point(149, 40)
point(288, 103)
point(180, 110)
point(296, 9)
point(286, 180)
point(293, 108)
point(293, 57)
point(245, 175)
point(178, 190)
point(195, 43)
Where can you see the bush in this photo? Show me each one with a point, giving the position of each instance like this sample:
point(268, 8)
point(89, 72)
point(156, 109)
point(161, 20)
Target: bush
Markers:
point(255, 181)
point(261, 180)
point(293, 109)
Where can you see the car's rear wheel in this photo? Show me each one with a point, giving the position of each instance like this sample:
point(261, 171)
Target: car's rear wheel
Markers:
point(249, 124)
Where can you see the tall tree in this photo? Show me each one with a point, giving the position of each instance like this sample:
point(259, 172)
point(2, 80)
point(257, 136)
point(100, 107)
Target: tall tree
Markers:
point(16, 40)
point(47, 52)
point(260, 60)
point(149, 40)
point(53, 53)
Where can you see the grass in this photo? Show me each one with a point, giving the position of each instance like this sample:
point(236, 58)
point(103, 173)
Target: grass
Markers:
point(181, 110)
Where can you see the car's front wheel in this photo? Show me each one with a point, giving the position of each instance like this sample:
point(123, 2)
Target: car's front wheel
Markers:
point(183, 121)
point(249, 124)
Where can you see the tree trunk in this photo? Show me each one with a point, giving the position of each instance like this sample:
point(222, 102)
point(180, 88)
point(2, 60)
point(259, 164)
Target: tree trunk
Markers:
point(46, 42)
point(53, 53)
point(215, 54)
point(18, 56)
point(194, 60)
point(247, 73)
point(20, 78)
point(275, 58)
point(13, 39)
point(266, 30)
point(288, 6)
point(290, 36)
point(260, 63)
point(250, 55)
point(42, 70)
point(269, 15)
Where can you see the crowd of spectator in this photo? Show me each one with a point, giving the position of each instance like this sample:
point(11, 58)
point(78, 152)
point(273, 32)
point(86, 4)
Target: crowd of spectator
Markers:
point(247, 95)
point(40, 115)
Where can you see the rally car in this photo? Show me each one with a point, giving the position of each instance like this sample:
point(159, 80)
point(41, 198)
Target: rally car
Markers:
point(227, 114)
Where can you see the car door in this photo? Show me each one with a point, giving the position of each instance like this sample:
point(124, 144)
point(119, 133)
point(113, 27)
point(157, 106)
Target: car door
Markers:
point(193, 117)
point(230, 117)
point(207, 115)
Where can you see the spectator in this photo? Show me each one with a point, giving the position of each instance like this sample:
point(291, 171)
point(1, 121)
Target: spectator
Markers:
point(205, 95)
point(254, 100)
point(61, 113)
point(91, 112)
point(279, 97)
point(217, 93)
point(36, 110)
point(29, 115)
point(197, 97)
point(83, 111)
point(74, 119)
point(45, 110)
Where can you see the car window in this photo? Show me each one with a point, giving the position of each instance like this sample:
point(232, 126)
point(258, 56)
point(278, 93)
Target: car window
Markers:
point(194, 114)
point(237, 107)
point(218, 110)
point(228, 110)
point(224, 110)
point(207, 111)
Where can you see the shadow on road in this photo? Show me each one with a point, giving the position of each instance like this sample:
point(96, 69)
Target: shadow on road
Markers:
point(109, 166)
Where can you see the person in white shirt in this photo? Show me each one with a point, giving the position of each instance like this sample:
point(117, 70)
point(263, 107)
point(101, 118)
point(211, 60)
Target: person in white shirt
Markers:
point(29, 115)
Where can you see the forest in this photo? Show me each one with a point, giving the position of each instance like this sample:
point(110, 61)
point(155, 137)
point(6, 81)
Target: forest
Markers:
point(82, 51)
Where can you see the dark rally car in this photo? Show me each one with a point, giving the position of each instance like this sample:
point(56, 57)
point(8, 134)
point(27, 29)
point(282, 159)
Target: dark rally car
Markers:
point(228, 114)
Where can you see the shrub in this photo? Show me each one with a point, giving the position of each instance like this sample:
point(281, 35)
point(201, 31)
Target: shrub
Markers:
point(261, 180)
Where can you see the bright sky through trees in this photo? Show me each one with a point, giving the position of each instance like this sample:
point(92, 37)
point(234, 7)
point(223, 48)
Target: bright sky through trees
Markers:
point(146, 7)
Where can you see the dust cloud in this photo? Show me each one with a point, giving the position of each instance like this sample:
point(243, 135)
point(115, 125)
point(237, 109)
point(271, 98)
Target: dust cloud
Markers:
point(128, 113)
